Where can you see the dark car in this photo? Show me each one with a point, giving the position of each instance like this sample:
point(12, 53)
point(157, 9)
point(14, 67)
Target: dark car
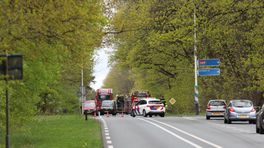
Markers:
point(240, 110)
point(260, 121)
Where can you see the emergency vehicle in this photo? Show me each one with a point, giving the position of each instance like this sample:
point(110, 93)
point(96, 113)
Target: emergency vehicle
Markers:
point(101, 95)
point(136, 97)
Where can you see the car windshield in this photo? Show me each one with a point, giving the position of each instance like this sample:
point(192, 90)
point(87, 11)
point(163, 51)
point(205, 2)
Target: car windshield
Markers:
point(242, 104)
point(154, 102)
point(107, 103)
point(217, 103)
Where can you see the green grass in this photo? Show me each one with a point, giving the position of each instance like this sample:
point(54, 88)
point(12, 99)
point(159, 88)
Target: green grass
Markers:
point(60, 131)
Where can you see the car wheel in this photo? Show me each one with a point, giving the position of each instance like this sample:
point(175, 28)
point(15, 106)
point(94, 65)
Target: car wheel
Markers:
point(144, 113)
point(133, 114)
point(229, 121)
point(162, 115)
point(261, 130)
point(257, 129)
point(207, 117)
point(252, 122)
point(150, 115)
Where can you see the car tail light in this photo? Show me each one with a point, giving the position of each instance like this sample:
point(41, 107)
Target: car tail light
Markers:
point(225, 107)
point(231, 109)
point(208, 107)
point(253, 110)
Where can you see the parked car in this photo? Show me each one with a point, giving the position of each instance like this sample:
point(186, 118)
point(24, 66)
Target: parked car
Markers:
point(260, 121)
point(240, 110)
point(150, 106)
point(215, 108)
point(108, 106)
point(88, 107)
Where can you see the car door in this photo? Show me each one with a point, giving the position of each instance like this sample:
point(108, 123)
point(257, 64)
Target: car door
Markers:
point(143, 105)
point(138, 106)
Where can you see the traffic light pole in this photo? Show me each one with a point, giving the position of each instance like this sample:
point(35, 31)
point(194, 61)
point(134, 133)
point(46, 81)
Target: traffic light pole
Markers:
point(196, 93)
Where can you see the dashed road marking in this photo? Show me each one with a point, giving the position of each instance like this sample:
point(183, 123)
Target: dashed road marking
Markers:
point(107, 137)
point(109, 142)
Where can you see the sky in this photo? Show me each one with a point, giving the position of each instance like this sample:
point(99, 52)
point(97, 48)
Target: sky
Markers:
point(101, 68)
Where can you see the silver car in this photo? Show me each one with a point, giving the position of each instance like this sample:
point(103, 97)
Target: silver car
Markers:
point(215, 108)
point(240, 110)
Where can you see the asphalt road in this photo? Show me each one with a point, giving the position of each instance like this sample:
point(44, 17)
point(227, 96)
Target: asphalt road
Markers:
point(180, 132)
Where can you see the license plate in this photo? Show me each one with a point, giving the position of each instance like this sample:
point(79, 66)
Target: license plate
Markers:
point(243, 116)
point(217, 113)
point(154, 108)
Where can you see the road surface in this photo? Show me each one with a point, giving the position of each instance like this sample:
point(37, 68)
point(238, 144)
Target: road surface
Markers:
point(181, 132)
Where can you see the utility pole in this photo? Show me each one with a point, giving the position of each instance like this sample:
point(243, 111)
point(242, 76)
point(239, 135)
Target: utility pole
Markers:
point(82, 89)
point(196, 93)
point(82, 93)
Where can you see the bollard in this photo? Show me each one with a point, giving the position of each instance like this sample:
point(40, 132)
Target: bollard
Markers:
point(122, 115)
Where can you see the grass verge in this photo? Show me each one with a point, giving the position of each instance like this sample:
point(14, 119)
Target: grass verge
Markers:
point(67, 131)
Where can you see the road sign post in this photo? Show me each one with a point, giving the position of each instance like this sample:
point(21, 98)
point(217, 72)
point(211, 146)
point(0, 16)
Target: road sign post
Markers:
point(12, 69)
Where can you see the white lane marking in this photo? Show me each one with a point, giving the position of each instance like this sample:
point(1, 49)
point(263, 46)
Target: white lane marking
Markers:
point(104, 123)
point(191, 135)
point(107, 137)
point(109, 142)
point(173, 134)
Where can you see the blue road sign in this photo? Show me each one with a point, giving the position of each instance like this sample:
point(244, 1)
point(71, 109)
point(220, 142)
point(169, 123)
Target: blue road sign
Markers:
point(209, 62)
point(209, 72)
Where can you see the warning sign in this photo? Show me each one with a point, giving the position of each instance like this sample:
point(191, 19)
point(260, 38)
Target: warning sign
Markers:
point(172, 101)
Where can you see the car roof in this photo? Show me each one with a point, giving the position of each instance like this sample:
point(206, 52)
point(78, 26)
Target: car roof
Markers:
point(216, 100)
point(150, 99)
point(235, 100)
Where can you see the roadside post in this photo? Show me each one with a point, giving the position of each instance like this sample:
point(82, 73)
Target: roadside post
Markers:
point(11, 67)
point(207, 71)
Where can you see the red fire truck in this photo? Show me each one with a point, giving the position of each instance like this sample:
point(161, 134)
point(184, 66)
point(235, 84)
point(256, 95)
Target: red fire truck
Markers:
point(101, 95)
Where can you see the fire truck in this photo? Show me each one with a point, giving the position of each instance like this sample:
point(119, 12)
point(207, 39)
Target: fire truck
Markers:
point(135, 97)
point(101, 95)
